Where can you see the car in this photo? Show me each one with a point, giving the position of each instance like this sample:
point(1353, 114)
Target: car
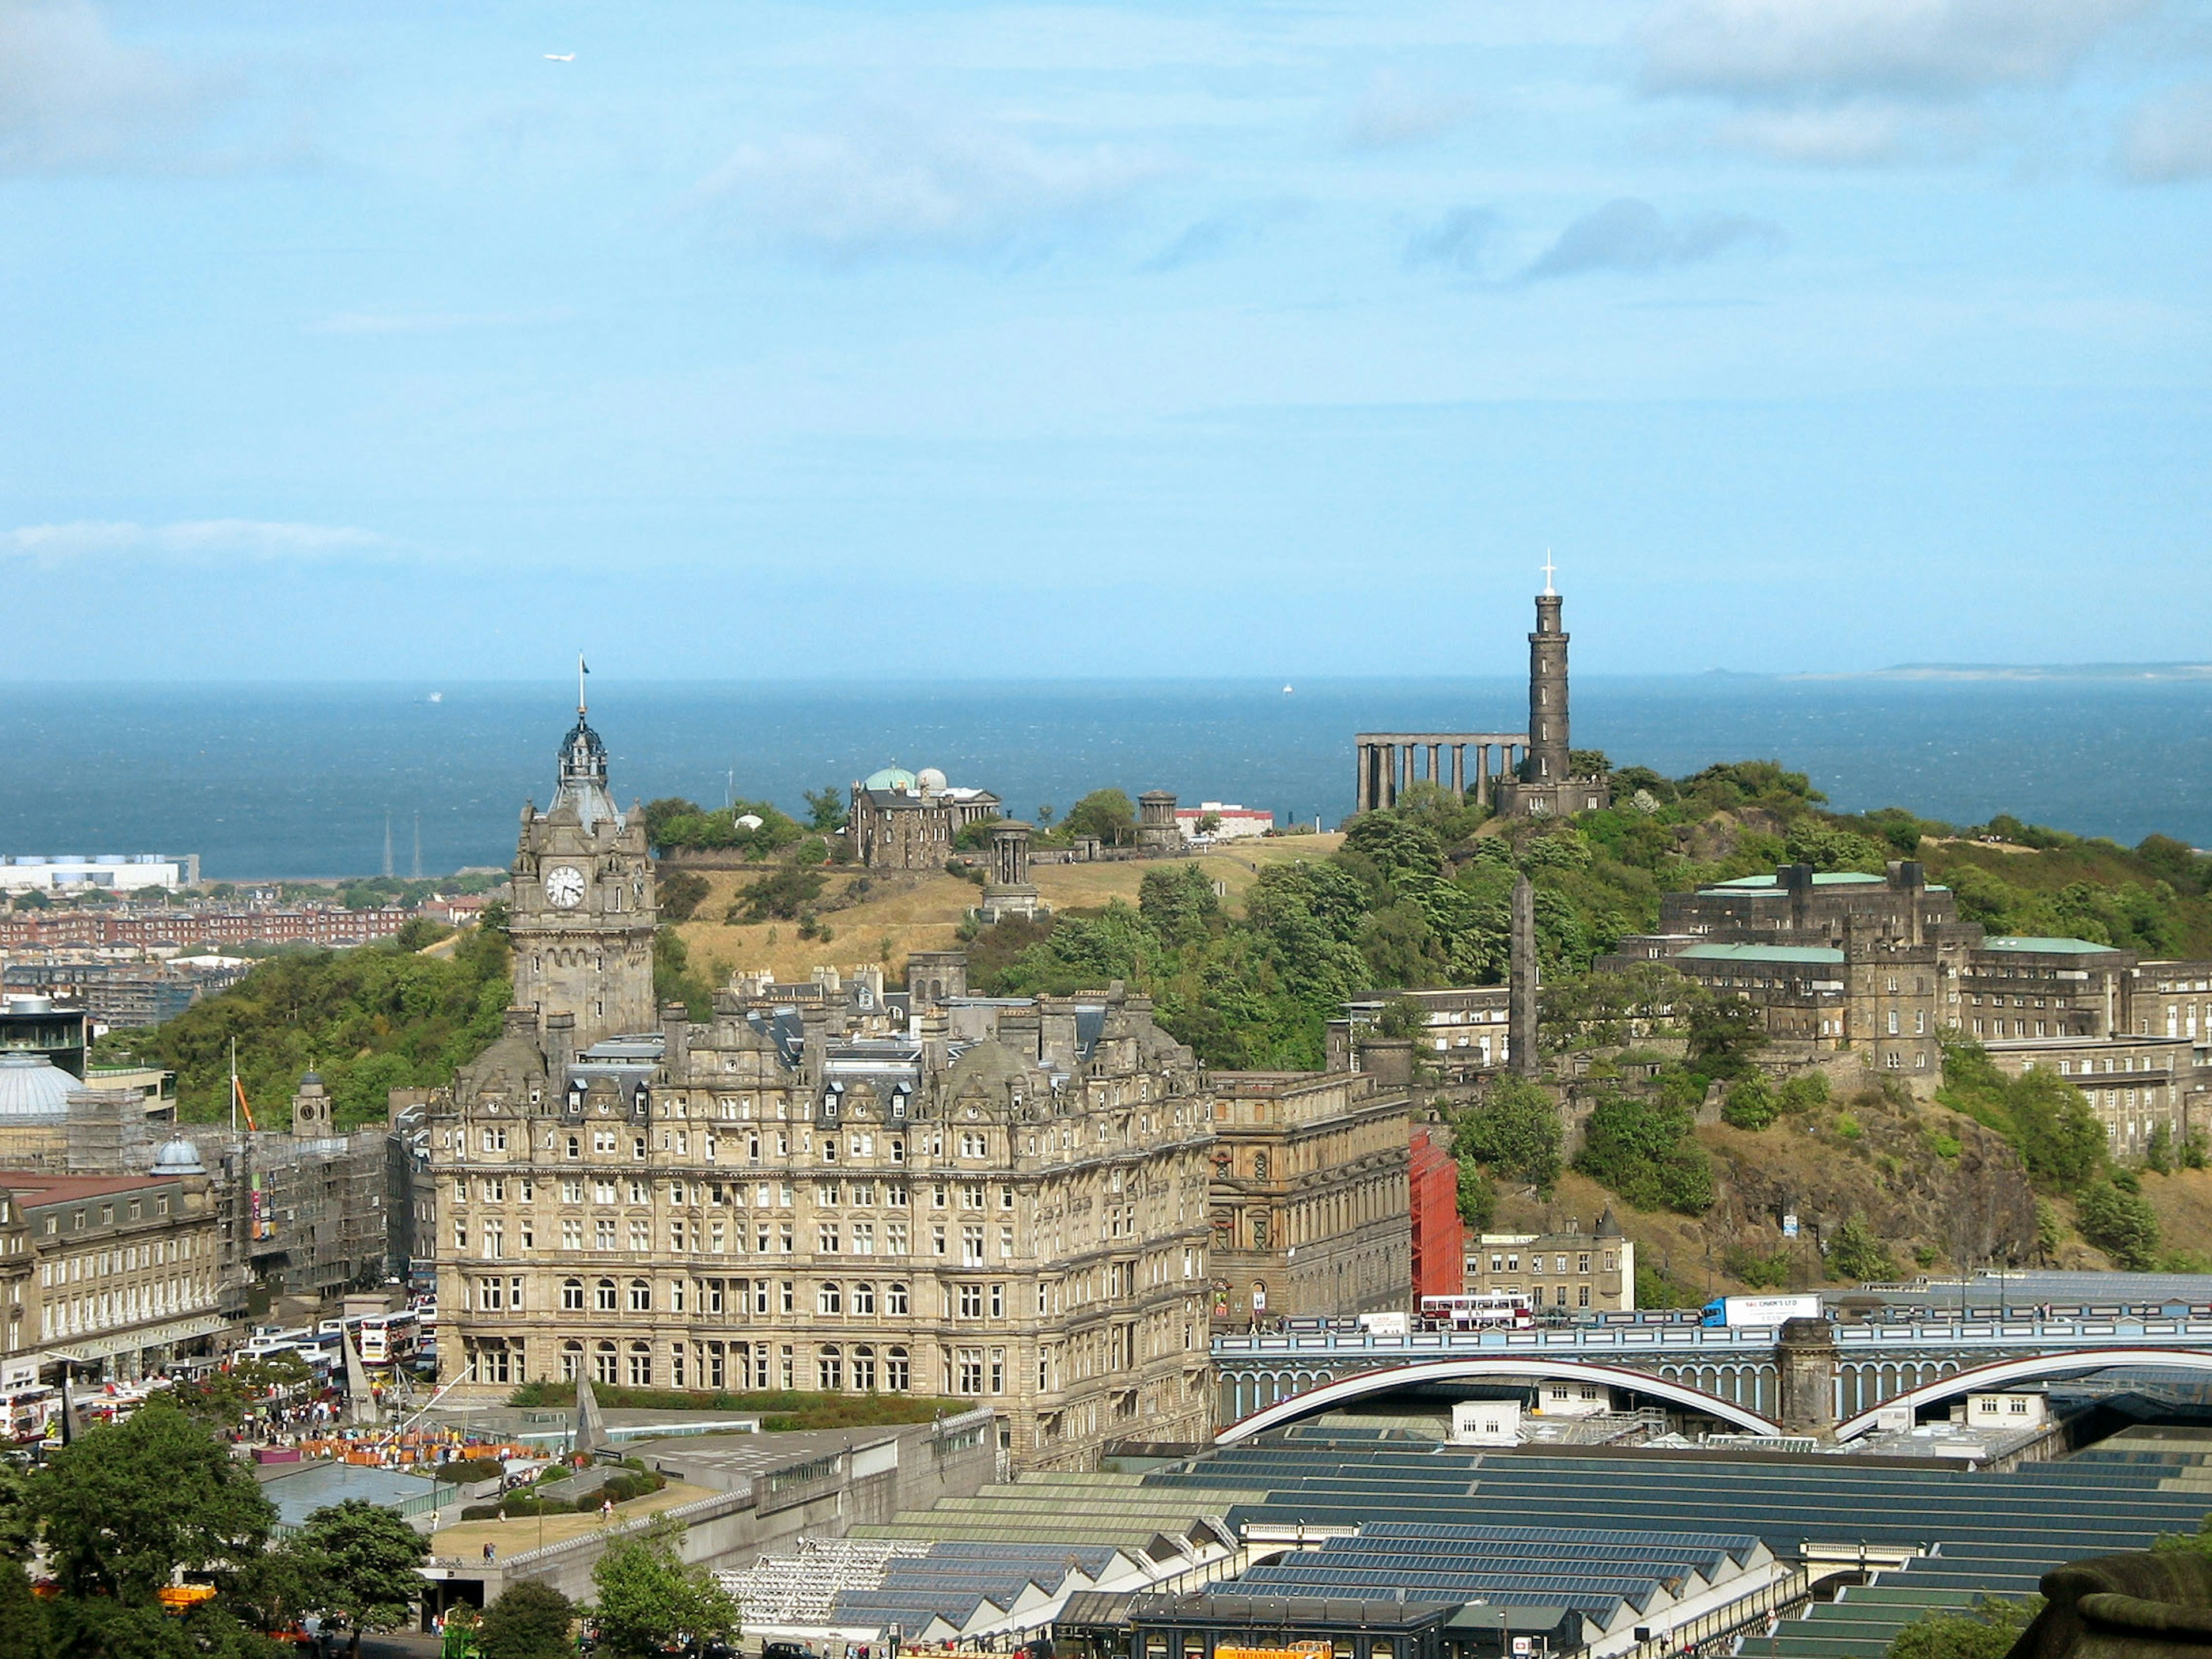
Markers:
point(785, 1651)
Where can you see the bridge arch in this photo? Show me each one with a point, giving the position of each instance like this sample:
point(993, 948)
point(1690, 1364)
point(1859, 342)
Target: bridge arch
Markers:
point(2030, 1368)
point(1499, 1366)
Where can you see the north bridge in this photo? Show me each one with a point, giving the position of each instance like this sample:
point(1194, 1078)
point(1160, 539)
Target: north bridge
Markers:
point(1808, 1376)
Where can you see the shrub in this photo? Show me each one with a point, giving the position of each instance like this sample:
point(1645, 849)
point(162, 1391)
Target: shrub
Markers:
point(1856, 1254)
point(468, 1471)
point(1645, 1151)
point(1761, 1272)
point(1751, 1105)
point(679, 893)
point(2121, 1224)
point(778, 896)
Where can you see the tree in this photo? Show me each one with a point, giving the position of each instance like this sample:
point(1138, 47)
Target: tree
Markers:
point(777, 896)
point(530, 1620)
point(1105, 813)
point(1751, 1104)
point(1178, 903)
point(23, 1620)
point(1724, 1033)
point(1986, 1632)
point(1643, 1151)
point(1516, 1131)
point(648, 1596)
point(825, 808)
point(1857, 1256)
point(359, 1558)
point(2122, 1224)
point(128, 1504)
point(678, 894)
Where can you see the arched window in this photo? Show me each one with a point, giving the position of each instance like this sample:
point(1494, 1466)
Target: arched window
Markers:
point(641, 1296)
point(572, 1361)
point(572, 1296)
point(603, 1295)
point(603, 1365)
point(864, 1297)
point(829, 1369)
point(897, 1374)
point(828, 1298)
point(864, 1368)
point(894, 1300)
point(640, 1364)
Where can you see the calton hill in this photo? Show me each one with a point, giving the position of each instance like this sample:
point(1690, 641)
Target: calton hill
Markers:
point(1657, 1098)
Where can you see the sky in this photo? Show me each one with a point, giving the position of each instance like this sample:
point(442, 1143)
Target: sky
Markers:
point(871, 341)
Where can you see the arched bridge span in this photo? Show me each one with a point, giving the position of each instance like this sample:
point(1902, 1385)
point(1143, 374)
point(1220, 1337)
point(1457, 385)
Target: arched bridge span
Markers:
point(1502, 1368)
point(2031, 1368)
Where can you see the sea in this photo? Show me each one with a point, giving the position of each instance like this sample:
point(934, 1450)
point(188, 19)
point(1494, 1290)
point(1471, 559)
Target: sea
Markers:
point(267, 781)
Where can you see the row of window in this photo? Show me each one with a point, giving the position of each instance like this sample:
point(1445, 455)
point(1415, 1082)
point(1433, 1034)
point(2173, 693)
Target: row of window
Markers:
point(96, 1311)
point(127, 1258)
point(716, 1238)
point(1509, 1262)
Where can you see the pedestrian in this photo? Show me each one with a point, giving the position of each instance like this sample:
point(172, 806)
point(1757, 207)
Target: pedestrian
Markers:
point(491, 1553)
point(607, 1509)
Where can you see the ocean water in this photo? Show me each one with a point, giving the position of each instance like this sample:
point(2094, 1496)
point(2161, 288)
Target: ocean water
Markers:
point(268, 780)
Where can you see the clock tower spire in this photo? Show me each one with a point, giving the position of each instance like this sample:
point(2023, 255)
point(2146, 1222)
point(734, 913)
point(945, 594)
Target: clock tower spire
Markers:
point(584, 906)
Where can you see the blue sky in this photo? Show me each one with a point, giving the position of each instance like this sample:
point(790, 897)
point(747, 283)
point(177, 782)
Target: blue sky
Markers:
point(871, 341)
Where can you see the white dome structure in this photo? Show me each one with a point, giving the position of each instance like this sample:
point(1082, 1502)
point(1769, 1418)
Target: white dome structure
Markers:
point(930, 780)
point(33, 1089)
point(179, 1157)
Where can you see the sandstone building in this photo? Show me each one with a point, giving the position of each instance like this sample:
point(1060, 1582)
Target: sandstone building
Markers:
point(1005, 1201)
point(1310, 1201)
point(903, 820)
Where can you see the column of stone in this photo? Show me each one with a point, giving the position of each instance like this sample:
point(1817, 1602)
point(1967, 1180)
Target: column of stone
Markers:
point(1359, 777)
point(1459, 771)
point(1482, 774)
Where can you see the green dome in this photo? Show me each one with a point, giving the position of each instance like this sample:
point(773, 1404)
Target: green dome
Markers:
point(892, 777)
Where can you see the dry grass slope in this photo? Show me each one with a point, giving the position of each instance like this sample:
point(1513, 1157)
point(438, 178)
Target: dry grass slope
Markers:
point(902, 913)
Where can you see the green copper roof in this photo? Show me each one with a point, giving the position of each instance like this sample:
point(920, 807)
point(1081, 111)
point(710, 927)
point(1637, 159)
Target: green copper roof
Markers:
point(1820, 878)
point(1816, 953)
point(2056, 946)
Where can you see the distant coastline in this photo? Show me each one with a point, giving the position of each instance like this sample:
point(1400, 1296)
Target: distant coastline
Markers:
point(2039, 671)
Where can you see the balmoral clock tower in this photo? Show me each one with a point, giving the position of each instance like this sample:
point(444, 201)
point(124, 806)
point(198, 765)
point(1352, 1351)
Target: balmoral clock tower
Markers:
point(583, 910)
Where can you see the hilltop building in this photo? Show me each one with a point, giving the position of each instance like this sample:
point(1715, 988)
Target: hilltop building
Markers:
point(903, 820)
point(1534, 776)
point(1884, 964)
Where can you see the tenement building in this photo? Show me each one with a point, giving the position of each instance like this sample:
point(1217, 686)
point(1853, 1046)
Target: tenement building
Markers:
point(1574, 1272)
point(108, 1276)
point(1309, 1200)
point(1004, 1203)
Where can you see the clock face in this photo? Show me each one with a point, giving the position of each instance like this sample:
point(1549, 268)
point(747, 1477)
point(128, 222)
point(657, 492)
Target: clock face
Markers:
point(564, 886)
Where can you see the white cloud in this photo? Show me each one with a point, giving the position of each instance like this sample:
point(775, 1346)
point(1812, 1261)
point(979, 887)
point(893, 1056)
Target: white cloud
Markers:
point(200, 539)
point(2170, 138)
point(1631, 235)
point(74, 99)
point(1789, 50)
point(1395, 112)
point(901, 184)
point(434, 322)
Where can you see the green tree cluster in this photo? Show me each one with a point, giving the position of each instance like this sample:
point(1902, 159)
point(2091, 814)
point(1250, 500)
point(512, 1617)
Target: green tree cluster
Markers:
point(1644, 1151)
point(1987, 1631)
point(1514, 1132)
point(673, 822)
point(119, 1511)
point(370, 1020)
point(678, 893)
point(2044, 1118)
point(648, 1599)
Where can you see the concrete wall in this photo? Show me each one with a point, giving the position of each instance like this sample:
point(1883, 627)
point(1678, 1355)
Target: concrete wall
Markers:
point(934, 1461)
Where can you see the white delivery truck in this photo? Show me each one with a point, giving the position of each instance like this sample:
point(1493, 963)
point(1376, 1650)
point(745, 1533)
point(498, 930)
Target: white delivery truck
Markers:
point(1760, 1310)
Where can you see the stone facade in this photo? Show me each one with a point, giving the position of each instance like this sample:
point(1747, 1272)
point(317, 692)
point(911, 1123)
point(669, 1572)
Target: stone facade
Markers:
point(583, 914)
point(1310, 1206)
point(1533, 773)
point(771, 1204)
point(1884, 964)
point(1569, 1272)
point(903, 820)
point(110, 1276)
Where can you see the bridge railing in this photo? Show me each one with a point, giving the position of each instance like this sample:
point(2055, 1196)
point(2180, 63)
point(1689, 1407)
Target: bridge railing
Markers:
point(1631, 1341)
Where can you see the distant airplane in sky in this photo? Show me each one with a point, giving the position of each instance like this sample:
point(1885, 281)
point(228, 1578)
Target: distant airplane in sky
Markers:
point(560, 57)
